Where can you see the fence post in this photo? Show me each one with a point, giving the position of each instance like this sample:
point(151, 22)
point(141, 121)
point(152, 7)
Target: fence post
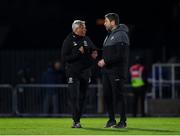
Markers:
point(100, 106)
point(14, 101)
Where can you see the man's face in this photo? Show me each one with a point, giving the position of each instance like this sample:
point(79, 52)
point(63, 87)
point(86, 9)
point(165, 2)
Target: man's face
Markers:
point(107, 24)
point(81, 30)
point(57, 66)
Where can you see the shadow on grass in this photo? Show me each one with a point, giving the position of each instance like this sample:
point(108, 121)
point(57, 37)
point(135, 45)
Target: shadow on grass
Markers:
point(107, 129)
point(152, 130)
point(128, 129)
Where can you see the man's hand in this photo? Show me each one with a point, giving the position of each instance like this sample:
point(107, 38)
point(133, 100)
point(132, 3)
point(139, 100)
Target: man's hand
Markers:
point(81, 49)
point(101, 63)
point(94, 54)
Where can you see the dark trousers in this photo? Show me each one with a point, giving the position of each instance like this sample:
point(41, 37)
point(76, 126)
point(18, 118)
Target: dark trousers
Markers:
point(139, 95)
point(77, 89)
point(51, 104)
point(114, 94)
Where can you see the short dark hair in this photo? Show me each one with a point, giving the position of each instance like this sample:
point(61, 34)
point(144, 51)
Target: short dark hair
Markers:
point(113, 16)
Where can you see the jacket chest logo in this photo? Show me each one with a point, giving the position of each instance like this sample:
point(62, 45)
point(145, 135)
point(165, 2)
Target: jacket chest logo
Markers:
point(74, 44)
point(85, 43)
point(112, 37)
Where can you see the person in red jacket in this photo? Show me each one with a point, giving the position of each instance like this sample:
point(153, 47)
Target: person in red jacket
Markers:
point(138, 83)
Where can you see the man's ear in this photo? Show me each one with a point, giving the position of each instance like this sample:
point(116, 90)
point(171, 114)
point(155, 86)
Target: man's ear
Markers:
point(113, 22)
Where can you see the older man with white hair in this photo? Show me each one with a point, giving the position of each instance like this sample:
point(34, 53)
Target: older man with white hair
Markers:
point(78, 53)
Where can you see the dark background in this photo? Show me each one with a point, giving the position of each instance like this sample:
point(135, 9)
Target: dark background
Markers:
point(37, 24)
point(32, 33)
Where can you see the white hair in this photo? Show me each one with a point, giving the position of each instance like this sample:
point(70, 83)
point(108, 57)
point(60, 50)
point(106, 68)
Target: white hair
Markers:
point(76, 24)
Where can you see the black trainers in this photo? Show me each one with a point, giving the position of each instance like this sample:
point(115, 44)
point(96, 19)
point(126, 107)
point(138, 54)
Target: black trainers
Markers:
point(121, 125)
point(76, 125)
point(110, 123)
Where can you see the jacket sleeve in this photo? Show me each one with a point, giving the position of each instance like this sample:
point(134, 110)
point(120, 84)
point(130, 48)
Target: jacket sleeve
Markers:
point(119, 53)
point(68, 54)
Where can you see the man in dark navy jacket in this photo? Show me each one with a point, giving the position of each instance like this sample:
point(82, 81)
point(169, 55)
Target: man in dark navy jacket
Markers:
point(114, 64)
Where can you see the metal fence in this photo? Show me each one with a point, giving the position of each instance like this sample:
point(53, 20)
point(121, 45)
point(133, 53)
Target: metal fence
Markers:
point(165, 81)
point(6, 100)
point(49, 100)
point(44, 100)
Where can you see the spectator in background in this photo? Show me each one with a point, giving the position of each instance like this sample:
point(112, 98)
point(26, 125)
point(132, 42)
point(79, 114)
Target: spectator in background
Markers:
point(96, 71)
point(138, 84)
point(25, 76)
point(53, 75)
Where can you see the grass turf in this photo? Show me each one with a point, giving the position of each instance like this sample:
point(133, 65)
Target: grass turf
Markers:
point(91, 126)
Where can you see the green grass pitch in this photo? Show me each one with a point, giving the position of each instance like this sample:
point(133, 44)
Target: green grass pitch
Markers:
point(91, 126)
